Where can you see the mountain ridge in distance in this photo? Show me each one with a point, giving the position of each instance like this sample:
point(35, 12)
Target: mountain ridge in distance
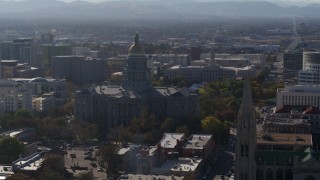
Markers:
point(151, 9)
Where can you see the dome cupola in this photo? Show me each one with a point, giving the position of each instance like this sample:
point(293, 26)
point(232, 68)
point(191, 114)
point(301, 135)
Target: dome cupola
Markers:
point(136, 48)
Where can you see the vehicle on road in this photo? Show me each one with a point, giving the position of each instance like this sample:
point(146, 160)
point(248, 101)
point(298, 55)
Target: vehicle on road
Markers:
point(93, 164)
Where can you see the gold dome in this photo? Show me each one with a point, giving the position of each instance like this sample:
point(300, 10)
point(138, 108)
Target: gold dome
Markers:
point(136, 48)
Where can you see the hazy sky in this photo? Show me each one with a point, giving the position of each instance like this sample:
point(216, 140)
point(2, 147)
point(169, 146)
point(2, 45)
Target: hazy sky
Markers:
point(293, 1)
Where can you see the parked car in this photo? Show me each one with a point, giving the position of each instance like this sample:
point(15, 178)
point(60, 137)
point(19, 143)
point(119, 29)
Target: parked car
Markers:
point(93, 164)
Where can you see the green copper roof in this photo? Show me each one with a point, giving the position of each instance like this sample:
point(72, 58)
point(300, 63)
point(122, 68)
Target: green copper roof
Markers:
point(280, 157)
point(311, 154)
point(136, 48)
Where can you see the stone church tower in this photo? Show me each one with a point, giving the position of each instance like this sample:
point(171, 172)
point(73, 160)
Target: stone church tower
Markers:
point(246, 137)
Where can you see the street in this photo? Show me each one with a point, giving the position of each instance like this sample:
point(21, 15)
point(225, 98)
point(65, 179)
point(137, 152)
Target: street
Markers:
point(224, 162)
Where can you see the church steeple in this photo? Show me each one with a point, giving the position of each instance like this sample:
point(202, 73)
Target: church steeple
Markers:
point(246, 137)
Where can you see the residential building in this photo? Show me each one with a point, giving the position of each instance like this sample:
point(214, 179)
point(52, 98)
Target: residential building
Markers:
point(200, 145)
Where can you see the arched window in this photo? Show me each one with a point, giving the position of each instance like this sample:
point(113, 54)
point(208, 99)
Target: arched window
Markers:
point(288, 175)
point(279, 174)
point(269, 174)
point(259, 174)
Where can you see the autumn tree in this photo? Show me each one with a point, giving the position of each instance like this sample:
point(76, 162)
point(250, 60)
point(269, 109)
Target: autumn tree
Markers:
point(218, 129)
point(109, 155)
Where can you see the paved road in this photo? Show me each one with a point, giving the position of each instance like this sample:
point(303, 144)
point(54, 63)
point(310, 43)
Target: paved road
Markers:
point(224, 163)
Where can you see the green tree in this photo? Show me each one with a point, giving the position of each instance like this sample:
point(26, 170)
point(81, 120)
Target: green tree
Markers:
point(10, 149)
point(218, 129)
point(23, 113)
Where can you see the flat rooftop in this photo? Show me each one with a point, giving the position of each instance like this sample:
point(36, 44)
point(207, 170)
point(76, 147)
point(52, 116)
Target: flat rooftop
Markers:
point(182, 164)
point(285, 121)
point(152, 177)
point(169, 140)
point(30, 163)
point(285, 139)
point(5, 171)
point(197, 141)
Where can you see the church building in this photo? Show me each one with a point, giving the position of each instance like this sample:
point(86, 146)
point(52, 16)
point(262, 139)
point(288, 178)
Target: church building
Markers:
point(271, 156)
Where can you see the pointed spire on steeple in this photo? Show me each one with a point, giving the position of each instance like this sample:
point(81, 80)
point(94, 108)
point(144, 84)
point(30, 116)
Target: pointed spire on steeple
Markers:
point(247, 103)
point(136, 39)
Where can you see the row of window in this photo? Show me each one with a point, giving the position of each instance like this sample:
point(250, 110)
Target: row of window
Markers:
point(301, 100)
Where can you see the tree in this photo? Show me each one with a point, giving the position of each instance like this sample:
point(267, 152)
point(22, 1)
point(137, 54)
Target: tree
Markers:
point(183, 129)
point(53, 166)
point(23, 113)
point(10, 149)
point(109, 155)
point(218, 129)
point(55, 163)
point(91, 132)
point(49, 174)
point(169, 125)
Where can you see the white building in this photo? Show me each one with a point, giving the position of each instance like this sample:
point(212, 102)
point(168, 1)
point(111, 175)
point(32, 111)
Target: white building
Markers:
point(43, 103)
point(310, 74)
point(300, 95)
point(39, 86)
point(175, 59)
point(208, 73)
point(14, 96)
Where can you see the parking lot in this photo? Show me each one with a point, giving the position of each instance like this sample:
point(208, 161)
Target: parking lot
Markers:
point(77, 160)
